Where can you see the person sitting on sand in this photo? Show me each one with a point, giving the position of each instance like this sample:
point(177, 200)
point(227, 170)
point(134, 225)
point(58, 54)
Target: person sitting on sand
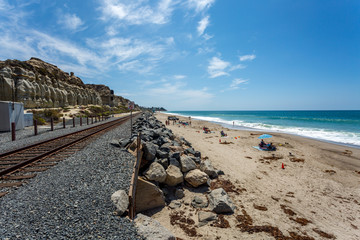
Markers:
point(206, 130)
point(270, 147)
point(223, 134)
point(262, 143)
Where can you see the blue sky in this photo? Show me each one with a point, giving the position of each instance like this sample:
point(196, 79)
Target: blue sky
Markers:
point(197, 54)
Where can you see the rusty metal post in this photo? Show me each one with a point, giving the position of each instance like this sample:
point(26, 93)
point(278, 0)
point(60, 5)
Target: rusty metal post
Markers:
point(73, 121)
point(52, 124)
point(13, 129)
point(64, 124)
point(80, 121)
point(35, 127)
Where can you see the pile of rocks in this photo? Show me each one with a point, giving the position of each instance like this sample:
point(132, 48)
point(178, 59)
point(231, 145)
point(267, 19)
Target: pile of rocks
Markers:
point(171, 163)
point(169, 160)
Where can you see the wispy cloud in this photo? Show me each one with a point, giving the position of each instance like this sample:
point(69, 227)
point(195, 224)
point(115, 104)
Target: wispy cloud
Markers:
point(247, 57)
point(179, 76)
point(200, 5)
point(239, 66)
point(203, 23)
point(71, 22)
point(136, 12)
point(217, 67)
point(236, 82)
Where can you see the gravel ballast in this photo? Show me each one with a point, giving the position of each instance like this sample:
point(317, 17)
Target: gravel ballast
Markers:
point(72, 199)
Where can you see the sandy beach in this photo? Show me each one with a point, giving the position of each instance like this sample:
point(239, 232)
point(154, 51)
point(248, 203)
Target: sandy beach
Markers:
point(315, 196)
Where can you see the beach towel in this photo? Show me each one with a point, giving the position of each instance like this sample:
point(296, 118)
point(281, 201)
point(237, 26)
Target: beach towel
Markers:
point(263, 149)
point(258, 148)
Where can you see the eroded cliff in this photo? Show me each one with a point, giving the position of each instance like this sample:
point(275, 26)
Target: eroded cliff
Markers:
point(40, 84)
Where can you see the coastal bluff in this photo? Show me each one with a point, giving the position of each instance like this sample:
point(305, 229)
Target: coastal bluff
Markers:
point(40, 84)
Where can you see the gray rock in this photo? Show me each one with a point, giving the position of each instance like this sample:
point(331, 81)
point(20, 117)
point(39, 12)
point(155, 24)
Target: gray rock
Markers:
point(179, 193)
point(166, 147)
point(151, 229)
point(199, 202)
point(175, 204)
point(121, 201)
point(206, 167)
point(205, 217)
point(220, 202)
point(196, 177)
point(162, 154)
point(220, 172)
point(155, 172)
point(197, 160)
point(150, 150)
point(173, 161)
point(190, 150)
point(197, 154)
point(175, 155)
point(187, 164)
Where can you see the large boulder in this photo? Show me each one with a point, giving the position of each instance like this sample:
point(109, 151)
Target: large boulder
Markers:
point(155, 172)
point(187, 164)
point(220, 202)
point(173, 176)
point(121, 201)
point(150, 150)
point(154, 196)
point(151, 229)
point(206, 167)
point(196, 177)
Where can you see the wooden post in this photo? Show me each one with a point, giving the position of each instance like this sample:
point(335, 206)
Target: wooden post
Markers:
point(64, 124)
point(87, 120)
point(81, 121)
point(35, 127)
point(13, 130)
point(52, 124)
point(73, 121)
point(134, 178)
point(92, 120)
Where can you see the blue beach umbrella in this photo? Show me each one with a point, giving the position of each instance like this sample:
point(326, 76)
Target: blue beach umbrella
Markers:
point(264, 136)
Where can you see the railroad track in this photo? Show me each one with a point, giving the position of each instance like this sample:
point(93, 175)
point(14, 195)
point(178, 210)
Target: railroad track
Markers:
point(21, 164)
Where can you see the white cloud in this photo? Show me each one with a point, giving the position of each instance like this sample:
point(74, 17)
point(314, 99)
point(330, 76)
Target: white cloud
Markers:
point(236, 82)
point(179, 76)
point(200, 5)
point(136, 12)
point(70, 21)
point(203, 23)
point(247, 57)
point(239, 66)
point(217, 67)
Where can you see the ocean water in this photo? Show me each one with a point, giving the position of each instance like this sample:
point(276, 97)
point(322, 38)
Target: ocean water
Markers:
point(342, 127)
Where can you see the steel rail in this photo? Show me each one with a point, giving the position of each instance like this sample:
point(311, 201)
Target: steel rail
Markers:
point(102, 127)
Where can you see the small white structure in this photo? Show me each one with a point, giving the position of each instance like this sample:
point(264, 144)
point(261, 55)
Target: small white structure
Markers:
point(11, 112)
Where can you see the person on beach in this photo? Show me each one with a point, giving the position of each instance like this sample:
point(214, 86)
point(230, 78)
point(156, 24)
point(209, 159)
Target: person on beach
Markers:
point(262, 143)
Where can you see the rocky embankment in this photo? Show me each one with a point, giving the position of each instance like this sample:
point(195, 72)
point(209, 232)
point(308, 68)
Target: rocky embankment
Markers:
point(171, 164)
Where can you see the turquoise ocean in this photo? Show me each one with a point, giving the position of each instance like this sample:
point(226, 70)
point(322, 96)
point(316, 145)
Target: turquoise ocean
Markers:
point(342, 127)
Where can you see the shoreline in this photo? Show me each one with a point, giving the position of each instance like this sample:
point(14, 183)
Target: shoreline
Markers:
point(319, 183)
point(242, 128)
